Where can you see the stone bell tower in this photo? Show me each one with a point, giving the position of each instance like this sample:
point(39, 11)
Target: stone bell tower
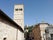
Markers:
point(19, 19)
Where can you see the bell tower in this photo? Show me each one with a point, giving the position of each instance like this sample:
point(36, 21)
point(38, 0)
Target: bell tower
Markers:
point(19, 19)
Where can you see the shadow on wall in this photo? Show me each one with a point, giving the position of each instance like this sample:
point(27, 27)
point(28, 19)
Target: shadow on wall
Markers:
point(7, 20)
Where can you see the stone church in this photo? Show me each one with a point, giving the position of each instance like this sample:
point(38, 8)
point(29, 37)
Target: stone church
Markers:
point(12, 29)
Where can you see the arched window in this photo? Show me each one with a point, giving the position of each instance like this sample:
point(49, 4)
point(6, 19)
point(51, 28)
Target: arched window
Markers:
point(16, 9)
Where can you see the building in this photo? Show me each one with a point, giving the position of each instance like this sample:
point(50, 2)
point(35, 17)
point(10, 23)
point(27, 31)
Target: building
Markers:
point(49, 32)
point(42, 29)
point(19, 19)
point(35, 34)
point(8, 27)
point(38, 31)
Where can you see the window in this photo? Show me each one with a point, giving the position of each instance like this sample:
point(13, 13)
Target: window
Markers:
point(20, 9)
point(16, 9)
point(4, 38)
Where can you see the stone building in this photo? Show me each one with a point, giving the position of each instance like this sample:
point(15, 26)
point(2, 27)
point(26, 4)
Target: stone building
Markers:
point(8, 28)
point(35, 34)
point(38, 31)
point(12, 29)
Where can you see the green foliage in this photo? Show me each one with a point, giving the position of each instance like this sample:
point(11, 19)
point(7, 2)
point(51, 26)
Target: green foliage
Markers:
point(29, 28)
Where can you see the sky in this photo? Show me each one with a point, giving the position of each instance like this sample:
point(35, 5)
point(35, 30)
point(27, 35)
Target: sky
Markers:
point(35, 11)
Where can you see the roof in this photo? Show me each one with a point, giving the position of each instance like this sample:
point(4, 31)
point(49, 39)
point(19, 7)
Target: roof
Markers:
point(37, 25)
point(43, 23)
point(6, 19)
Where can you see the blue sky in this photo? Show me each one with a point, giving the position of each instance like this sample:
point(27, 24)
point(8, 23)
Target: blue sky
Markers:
point(35, 11)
